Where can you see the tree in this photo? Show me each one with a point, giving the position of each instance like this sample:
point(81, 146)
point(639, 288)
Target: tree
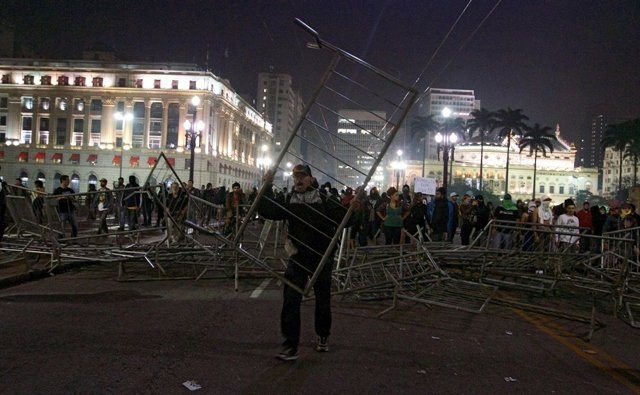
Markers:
point(618, 136)
point(510, 122)
point(421, 128)
point(483, 122)
point(537, 138)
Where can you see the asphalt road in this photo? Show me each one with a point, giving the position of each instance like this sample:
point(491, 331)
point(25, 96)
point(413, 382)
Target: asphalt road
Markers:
point(83, 332)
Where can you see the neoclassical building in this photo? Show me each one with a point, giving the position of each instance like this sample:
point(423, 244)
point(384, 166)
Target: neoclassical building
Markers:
point(556, 174)
point(94, 119)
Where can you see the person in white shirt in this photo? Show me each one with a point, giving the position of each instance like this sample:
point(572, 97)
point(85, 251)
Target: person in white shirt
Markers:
point(568, 226)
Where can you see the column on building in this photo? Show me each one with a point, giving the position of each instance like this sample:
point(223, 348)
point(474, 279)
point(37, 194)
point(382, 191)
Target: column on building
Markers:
point(14, 121)
point(183, 117)
point(108, 134)
point(35, 120)
point(127, 125)
point(165, 124)
point(147, 123)
point(86, 133)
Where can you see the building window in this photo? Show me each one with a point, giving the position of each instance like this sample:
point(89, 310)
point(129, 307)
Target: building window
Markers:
point(63, 80)
point(156, 84)
point(174, 84)
point(97, 82)
point(79, 105)
point(6, 79)
point(45, 104)
point(27, 79)
point(96, 126)
point(80, 81)
point(561, 189)
point(27, 128)
point(44, 131)
point(137, 131)
point(173, 122)
point(541, 188)
point(78, 132)
point(552, 189)
point(62, 104)
point(75, 183)
point(139, 83)
point(96, 106)
point(61, 131)
point(155, 125)
point(3, 120)
point(192, 85)
point(4, 102)
point(122, 82)
point(27, 103)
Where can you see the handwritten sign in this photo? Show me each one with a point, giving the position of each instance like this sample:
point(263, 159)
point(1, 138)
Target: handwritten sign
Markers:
point(425, 185)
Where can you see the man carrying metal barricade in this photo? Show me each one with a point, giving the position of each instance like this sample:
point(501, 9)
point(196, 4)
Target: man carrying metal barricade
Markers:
point(312, 219)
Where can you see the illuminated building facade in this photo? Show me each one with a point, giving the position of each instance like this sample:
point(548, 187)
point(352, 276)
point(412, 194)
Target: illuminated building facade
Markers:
point(94, 119)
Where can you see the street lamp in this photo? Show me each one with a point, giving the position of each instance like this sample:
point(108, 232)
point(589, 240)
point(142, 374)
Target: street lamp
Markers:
point(194, 130)
point(288, 173)
point(446, 143)
point(122, 116)
point(398, 166)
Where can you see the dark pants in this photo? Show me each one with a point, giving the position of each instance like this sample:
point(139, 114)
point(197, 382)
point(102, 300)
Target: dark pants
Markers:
point(465, 233)
point(102, 215)
point(392, 234)
point(290, 315)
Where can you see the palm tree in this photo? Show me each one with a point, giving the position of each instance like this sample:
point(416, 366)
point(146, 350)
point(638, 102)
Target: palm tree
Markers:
point(537, 138)
point(618, 136)
point(483, 122)
point(422, 127)
point(459, 127)
point(510, 122)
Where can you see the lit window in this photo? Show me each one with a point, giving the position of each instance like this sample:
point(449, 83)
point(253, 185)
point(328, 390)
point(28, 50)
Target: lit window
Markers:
point(174, 84)
point(97, 81)
point(80, 81)
point(28, 80)
point(63, 80)
point(139, 83)
point(156, 84)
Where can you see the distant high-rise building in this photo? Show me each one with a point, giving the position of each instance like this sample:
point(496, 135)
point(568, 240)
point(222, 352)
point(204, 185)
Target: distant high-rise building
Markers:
point(460, 101)
point(281, 105)
point(358, 128)
point(590, 152)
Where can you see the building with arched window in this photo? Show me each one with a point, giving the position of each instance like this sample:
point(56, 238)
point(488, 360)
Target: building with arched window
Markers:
point(94, 119)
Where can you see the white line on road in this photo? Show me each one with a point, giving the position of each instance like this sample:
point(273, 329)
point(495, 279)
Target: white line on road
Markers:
point(260, 288)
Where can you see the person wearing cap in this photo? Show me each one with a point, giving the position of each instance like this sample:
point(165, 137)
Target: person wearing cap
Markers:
point(102, 203)
point(438, 215)
point(235, 205)
point(507, 211)
point(312, 222)
point(454, 216)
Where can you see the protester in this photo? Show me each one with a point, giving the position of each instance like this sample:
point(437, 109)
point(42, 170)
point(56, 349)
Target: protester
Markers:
point(66, 205)
point(469, 216)
point(235, 208)
point(568, 228)
point(312, 219)
point(132, 202)
point(103, 203)
point(507, 211)
point(392, 215)
point(438, 212)
point(454, 216)
point(586, 223)
point(37, 201)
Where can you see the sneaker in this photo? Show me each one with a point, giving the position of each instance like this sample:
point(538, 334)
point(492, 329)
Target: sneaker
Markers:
point(322, 345)
point(288, 353)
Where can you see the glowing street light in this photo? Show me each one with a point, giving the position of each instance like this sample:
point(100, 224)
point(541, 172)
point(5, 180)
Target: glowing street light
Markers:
point(446, 143)
point(124, 117)
point(194, 130)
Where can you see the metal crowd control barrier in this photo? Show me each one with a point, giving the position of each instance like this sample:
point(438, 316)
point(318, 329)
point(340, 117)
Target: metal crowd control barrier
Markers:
point(348, 83)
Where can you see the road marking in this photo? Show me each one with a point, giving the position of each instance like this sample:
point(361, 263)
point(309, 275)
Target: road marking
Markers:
point(256, 292)
point(615, 368)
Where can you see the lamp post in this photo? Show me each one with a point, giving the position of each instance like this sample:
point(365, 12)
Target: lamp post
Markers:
point(446, 143)
point(398, 166)
point(124, 117)
point(194, 129)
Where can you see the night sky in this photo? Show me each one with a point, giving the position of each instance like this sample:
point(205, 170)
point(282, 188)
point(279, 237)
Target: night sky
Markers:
point(560, 61)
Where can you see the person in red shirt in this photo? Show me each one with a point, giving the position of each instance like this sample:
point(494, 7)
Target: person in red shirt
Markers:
point(586, 225)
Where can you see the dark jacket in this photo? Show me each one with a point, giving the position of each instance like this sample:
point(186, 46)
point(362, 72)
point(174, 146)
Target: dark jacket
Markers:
point(312, 221)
